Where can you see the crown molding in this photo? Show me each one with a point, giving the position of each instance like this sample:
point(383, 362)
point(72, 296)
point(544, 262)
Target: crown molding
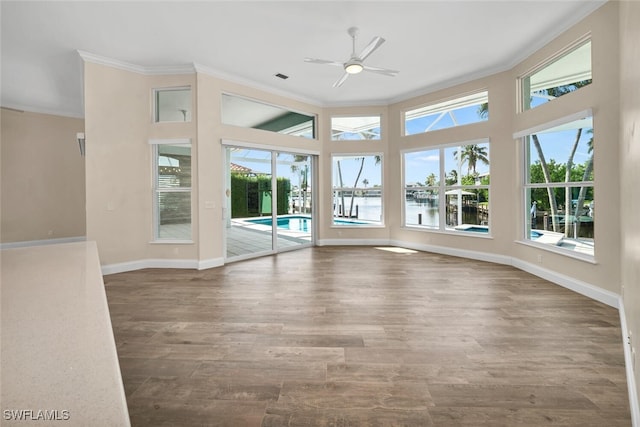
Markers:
point(19, 108)
point(134, 68)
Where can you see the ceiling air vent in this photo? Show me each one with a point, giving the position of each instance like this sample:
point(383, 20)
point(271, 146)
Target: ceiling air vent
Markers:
point(282, 76)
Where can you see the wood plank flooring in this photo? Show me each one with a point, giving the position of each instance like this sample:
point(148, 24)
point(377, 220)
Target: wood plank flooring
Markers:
point(358, 336)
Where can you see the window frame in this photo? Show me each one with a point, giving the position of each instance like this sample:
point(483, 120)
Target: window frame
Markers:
point(442, 189)
point(372, 224)
point(440, 106)
point(524, 236)
point(156, 108)
point(356, 116)
point(558, 56)
point(157, 190)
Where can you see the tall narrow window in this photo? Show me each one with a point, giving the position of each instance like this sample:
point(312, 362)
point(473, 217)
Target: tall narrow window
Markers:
point(459, 111)
point(447, 188)
point(172, 190)
point(565, 74)
point(357, 190)
point(559, 196)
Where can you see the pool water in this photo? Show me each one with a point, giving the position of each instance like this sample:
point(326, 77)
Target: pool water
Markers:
point(533, 236)
point(295, 223)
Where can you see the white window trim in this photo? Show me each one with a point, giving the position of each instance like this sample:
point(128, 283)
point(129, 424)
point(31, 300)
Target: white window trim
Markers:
point(520, 137)
point(154, 100)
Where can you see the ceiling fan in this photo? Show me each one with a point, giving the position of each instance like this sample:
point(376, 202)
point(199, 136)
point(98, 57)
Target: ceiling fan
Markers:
point(355, 64)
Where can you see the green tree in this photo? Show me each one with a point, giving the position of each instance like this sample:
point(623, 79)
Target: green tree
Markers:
point(472, 154)
point(554, 93)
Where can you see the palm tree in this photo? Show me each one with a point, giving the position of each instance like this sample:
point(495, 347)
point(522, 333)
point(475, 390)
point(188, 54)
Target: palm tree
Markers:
point(557, 92)
point(585, 177)
point(304, 173)
point(547, 178)
point(453, 177)
point(567, 178)
point(472, 154)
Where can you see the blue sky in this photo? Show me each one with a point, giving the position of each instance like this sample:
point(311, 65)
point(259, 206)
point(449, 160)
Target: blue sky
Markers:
point(418, 165)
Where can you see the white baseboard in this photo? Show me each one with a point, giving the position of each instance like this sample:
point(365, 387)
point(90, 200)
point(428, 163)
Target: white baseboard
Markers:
point(462, 253)
point(602, 295)
point(628, 362)
point(190, 264)
point(29, 243)
point(210, 263)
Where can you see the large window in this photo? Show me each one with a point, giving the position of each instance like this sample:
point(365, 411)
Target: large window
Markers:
point(172, 189)
point(357, 190)
point(559, 196)
point(447, 188)
point(564, 74)
point(460, 111)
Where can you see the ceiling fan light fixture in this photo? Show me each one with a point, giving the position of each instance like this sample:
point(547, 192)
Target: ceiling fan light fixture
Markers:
point(353, 67)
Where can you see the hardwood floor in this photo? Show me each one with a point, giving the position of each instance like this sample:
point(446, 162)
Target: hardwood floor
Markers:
point(358, 336)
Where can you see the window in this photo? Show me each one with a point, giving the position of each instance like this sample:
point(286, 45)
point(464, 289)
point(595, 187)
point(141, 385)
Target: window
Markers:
point(355, 128)
point(172, 189)
point(447, 188)
point(564, 74)
point(248, 113)
point(455, 112)
point(172, 105)
point(559, 196)
point(357, 190)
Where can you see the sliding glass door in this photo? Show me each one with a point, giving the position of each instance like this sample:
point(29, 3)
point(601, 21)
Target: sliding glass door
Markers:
point(269, 202)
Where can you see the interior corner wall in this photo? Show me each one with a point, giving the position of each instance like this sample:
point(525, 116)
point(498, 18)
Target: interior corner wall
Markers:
point(118, 163)
point(506, 197)
point(630, 166)
point(602, 97)
point(43, 177)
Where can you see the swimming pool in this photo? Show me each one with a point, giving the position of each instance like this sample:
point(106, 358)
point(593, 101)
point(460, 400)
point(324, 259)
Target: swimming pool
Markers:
point(484, 229)
point(297, 222)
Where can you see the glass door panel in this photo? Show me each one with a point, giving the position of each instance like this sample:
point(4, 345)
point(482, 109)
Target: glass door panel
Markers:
point(249, 202)
point(265, 188)
point(294, 207)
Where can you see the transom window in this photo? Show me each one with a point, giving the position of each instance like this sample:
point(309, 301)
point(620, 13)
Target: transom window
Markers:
point(355, 128)
point(562, 75)
point(460, 111)
point(172, 104)
point(447, 188)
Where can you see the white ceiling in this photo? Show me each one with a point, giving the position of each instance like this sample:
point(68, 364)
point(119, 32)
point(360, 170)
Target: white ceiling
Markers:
point(432, 43)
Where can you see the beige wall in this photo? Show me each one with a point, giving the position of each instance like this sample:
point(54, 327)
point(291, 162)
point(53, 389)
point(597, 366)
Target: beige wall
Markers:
point(630, 165)
point(43, 188)
point(119, 124)
point(119, 209)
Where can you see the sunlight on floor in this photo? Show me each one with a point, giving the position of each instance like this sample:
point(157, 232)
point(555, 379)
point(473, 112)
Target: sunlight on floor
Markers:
point(396, 250)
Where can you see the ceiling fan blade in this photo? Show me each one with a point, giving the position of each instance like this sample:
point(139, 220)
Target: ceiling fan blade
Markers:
point(383, 71)
point(323, 61)
point(375, 43)
point(341, 80)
